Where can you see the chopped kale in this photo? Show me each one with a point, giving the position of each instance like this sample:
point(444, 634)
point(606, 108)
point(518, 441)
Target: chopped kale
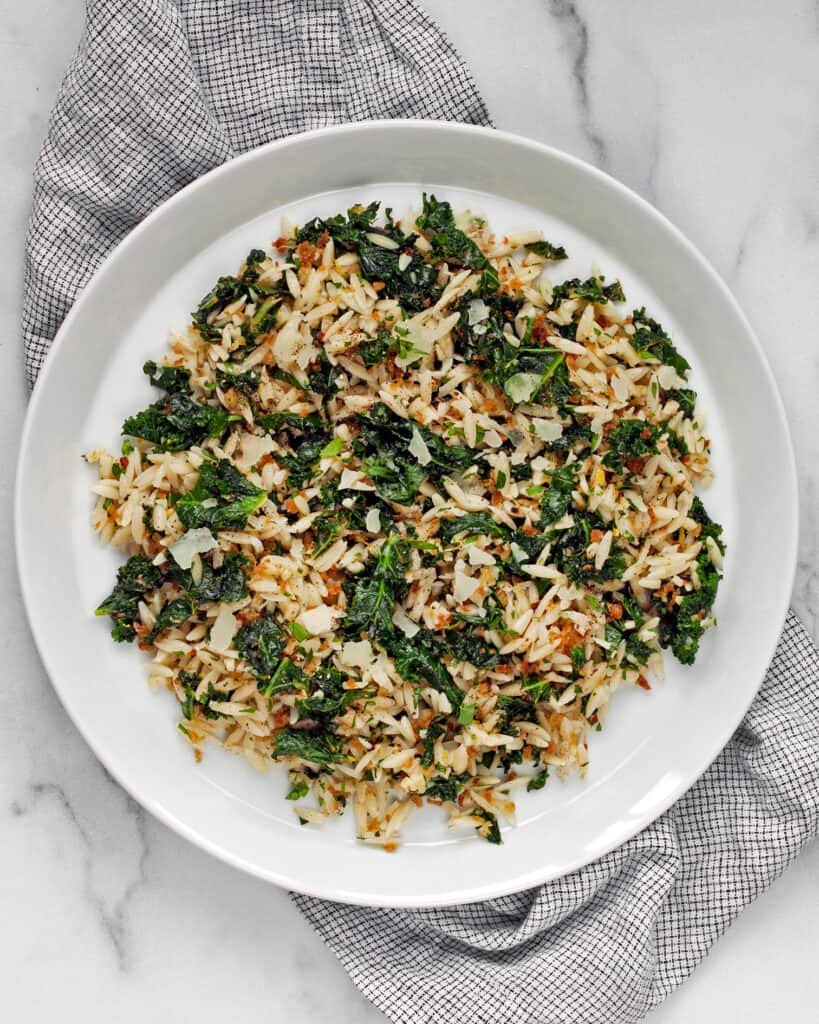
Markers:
point(376, 590)
point(556, 499)
point(436, 728)
point(446, 789)
point(418, 660)
point(134, 579)
point(304, 436)
point(472, 524)
point(321, 749)
point(247, 383)
point(173, 613)
point(685, 398)
point(538, 781)
point(168, 378)
point(437, 221)
point(384, 444)
point(591, 290)
point(650, 339)
point(466, 645)
point(409, 280)
point(190, 705)
point(375, 350)
point(222, 499)
point(569, 551)
point(547, 250)
point(328, 696)
point(630, 439)
point(681, 622)
point(261, 643)
point(492, 833)
point(177, 422)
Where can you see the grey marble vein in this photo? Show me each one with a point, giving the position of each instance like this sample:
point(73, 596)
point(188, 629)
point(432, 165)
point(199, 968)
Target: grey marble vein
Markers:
point(575, 31)
point(111, 908)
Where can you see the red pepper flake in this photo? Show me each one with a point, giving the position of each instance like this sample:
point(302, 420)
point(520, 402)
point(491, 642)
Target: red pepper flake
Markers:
point(642, 681)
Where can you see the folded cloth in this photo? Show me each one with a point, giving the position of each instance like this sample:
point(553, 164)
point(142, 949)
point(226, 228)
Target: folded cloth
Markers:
point(161, 92)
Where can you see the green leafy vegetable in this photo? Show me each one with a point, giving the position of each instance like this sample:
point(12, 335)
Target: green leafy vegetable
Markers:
point(322, 749)
point(446, 789)
point(261, 643)
point(222, 499)
point(176, 422)
point(556, 499)
point(546, 249)
point(472, 524)
point(630, 439)
point(538, 781)
point(436, 728)
point(449, 243)
point(491, 830)
point(649, 337)
point(134, 579)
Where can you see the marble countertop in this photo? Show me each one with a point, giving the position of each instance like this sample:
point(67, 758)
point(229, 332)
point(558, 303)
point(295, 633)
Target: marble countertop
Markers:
point(707, 110)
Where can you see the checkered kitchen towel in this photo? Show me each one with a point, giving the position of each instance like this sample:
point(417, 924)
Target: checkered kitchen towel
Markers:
point(161, 92)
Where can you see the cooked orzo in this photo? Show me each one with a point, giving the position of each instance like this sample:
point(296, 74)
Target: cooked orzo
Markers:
point(406, 514)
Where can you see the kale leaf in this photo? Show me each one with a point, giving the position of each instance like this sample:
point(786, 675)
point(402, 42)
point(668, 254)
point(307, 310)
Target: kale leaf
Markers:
point(383, 443)
point(222, 499)
point(176, 422)
point(681, 623)
point(556, 499)
point(411, 281)
point(436, 728)
point(446, 789)
point(437, 221)
point(650, 339)
point(173, 613)
point(322, 749)
point(261, 643)
point(685, 398)
point(168, 378)
point(591, 290)
point(375, 592)
point(466, 645)
point(304, 436)
point(472, 524)
point(134, 580)
point(630, 439)
point(546, 249)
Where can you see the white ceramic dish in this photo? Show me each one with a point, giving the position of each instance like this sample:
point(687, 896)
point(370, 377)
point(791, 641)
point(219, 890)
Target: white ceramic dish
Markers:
point(653, 747)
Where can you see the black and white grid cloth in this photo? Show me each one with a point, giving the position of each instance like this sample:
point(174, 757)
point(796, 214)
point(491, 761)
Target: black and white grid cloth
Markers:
point(159, 93)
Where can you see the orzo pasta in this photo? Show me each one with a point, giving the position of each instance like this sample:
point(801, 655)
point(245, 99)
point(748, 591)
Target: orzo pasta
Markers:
point(407, 513)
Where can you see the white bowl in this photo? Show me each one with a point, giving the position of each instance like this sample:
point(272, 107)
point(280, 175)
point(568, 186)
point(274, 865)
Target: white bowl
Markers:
point(654, 745)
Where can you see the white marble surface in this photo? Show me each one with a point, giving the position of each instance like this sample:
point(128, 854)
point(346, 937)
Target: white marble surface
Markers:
point(707, 109)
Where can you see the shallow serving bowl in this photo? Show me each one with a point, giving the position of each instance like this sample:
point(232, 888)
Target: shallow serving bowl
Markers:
point(653, 746)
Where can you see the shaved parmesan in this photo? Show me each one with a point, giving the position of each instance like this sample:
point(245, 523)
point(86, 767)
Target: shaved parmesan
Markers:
point(405, 623)
point(194, 542)
point(253, 449)
point(478, 312)
point(223, 630)
point(373, 520)
point(547, 430)
point(418, 340)
point(404, 261)
point(384, 241)
point(352, 480)
point(477, 556)
point(518, 553)
point(318, 620)
point(357, 653)
point(521, 386)
point(465, 586)
point(668, 378)
point(418, 448)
